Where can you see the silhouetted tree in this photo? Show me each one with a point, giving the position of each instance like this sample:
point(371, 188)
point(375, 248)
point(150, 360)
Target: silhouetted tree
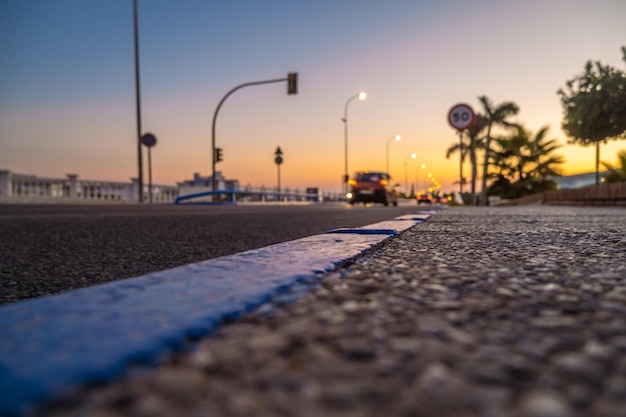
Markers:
point(472, 143)
point(476, 142)
point(496, 116)
point(594, 106)
point(616, 174)
point(523, 163)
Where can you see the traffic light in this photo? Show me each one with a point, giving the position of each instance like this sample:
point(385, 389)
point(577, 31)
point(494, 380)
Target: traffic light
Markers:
point(292, 83)
point(218, 155)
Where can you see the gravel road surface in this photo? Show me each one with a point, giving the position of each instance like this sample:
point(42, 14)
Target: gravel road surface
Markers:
point(501, 312)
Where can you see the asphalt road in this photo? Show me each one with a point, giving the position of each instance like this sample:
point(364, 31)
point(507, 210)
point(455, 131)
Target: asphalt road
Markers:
point(478, 312)
point(47, 249)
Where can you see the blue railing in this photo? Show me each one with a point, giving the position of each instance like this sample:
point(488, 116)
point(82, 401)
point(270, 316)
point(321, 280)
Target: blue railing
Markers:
point(237, 196)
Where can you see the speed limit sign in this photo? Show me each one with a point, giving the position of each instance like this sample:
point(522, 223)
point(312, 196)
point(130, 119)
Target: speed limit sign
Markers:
point(461, 116)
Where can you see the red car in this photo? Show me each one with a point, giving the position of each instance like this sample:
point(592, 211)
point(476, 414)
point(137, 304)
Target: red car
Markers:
point(431, 199)
point(372, 187)
point(424, 199)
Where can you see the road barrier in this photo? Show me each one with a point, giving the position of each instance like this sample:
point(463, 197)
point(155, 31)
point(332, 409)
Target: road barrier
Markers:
point(263, 196)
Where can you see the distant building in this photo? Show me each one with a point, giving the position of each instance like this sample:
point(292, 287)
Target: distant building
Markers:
point(577, 181)
point(28, 188)
point(199, 181)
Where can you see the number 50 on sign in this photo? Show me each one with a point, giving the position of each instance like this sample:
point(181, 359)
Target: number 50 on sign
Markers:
point(461, 117)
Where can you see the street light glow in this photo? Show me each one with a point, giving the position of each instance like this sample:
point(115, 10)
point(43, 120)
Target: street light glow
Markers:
point(397, 137)
point(362, 95)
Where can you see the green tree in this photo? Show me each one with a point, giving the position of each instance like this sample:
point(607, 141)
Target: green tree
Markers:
point(594, 106)
point(616, 174)
point(496, 116)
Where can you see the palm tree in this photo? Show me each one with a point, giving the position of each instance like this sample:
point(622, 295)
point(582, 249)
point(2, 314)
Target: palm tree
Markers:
point(507, 158)
point(496, 116)
point(525, 162)
point(473, 133)
point(472, 143)
point(540, 156)
point(616, 174)
point(463, 149)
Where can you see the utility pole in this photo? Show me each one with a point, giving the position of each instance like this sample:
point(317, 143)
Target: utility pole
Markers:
point(138, 102)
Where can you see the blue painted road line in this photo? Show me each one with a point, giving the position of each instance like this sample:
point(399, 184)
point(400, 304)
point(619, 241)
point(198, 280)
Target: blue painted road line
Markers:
point(390, 232)
point(52, 345)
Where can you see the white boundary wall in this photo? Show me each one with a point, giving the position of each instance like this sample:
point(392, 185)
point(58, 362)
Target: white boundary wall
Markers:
point(21, 188)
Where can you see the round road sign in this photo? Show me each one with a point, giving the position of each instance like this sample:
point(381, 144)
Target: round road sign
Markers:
point(148, 140)
point(461, 116)
point(278, 160)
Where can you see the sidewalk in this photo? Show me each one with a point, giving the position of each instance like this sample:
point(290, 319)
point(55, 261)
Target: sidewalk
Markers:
point(512, 311)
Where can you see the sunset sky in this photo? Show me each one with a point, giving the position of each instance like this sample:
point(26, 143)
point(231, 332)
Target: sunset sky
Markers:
point(67, 87)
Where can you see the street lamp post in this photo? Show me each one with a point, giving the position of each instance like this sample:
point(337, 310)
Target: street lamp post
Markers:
point(397, 138)
point(406, 174)
point(361, 96)
point(430, 177)
point(292, 88)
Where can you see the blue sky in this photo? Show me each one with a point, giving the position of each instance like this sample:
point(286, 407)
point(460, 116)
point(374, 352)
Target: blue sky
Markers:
point(67, 82)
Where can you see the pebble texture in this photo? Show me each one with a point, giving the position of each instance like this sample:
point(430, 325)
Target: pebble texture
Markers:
point(499, 312)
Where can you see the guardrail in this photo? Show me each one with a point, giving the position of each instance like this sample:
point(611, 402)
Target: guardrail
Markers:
point(251, 196)
point(604, 194)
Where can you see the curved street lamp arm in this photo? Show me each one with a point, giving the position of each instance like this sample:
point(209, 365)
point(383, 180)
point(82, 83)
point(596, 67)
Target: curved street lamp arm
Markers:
point(345, 108)
point(217, 109)
point(345, 135)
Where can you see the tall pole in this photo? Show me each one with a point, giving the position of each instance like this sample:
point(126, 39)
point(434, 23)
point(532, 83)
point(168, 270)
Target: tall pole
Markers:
point(406, 173)
point(360, 96)
point(387, 160)
point(150, 174)
point(345, 142)
point(397, 138)
point(279, 160)
point(138, 102)
point(598, 163)
point(406, 178)
point(461, 165)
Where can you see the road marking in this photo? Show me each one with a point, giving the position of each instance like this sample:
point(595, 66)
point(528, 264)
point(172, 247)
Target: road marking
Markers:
point(52, 345)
